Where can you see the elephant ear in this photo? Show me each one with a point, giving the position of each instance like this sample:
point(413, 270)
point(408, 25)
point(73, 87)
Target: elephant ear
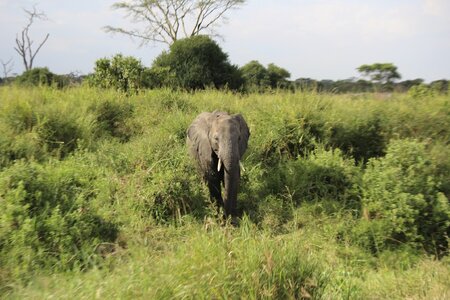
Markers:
point(198, 141)
point(245, 134)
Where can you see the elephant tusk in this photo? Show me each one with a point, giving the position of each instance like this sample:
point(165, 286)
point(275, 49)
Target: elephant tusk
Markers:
point(219, 165)
point(242, 166)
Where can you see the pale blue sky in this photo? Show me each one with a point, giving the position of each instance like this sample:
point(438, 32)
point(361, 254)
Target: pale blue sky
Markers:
point(321, 39)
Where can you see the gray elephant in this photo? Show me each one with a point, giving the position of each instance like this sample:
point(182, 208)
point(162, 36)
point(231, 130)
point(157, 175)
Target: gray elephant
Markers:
point(218, 141)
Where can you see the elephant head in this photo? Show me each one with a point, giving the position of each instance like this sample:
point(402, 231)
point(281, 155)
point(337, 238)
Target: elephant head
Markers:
point(218, 141)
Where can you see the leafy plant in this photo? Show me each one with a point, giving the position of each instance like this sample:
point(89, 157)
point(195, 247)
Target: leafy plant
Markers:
point(47, 218)
point(122, 73)
point(402, 202)
point(196, 63)
point(112, 116)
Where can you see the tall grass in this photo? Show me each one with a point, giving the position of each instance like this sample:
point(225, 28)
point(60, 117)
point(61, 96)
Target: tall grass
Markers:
point(343, 197)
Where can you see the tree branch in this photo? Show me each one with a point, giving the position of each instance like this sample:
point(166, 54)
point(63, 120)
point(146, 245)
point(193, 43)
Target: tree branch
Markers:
point(163, 20)
point(24, 45)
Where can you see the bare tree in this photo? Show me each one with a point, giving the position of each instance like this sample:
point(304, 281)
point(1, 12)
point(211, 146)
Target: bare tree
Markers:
point(165, 21)
point(7, 67)
point(24, 43)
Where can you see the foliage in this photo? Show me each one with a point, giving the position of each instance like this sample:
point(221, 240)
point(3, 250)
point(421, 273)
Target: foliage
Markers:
point(111, 117)
point(122, 73)
point(255, 75)
point(402, 202)
point(196, 63)
point(48, 218)
point(165, 21)
point(121, 206)
point(36, 77)
point(362, 139)
point(383, 73)
point(421, 91)
point(158, 77)
point(277, 76)
point(259, 78)
point(34, 132)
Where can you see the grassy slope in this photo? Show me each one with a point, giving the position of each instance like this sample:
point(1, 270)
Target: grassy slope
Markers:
point(272, 254)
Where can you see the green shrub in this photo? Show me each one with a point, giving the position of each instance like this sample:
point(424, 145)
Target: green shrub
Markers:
point(196, 63)
point(322, 175)
point(33, 130)
point(121, 73)
point(48, 220)
point(402, 202)
point(421, 91)
point(293, 137)
point(113, 118)
point(157, 77)
point(258, 78)
point(361, 138)
point(36, 77)
point(59, 133)
point(172, 190)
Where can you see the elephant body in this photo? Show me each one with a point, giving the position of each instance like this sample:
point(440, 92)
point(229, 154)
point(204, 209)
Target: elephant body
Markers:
point(217, 141)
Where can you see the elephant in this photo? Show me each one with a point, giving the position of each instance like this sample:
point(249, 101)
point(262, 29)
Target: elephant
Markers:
point(217, 141)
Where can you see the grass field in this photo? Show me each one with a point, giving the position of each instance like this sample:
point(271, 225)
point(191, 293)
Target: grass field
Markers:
point(343, 197)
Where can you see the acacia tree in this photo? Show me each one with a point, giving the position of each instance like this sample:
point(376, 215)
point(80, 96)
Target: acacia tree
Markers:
point(24, 43)
point(381, 73)
point(166, 21)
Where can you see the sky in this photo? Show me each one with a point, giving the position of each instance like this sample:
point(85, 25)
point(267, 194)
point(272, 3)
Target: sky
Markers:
point(320, 39)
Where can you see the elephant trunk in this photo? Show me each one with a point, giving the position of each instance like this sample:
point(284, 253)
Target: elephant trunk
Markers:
point(231, 185)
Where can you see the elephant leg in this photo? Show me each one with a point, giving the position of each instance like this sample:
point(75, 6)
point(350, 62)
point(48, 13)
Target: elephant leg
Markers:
point(215, 192)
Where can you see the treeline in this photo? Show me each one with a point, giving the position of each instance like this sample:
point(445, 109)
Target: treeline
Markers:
point(355, 85)
point(199, 62)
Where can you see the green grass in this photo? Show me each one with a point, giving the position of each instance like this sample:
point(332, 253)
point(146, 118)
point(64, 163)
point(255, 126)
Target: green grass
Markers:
point(99, 199)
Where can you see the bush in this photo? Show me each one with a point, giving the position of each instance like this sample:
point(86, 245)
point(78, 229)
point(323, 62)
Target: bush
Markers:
point(157, 77)
point(361, 138)
point(323, 175)
point(122, 73)
point(293, 137)
point(196, 63)
point(259, 78)
point(36, 77)
point(32, 131)
point(421, 91)
point(111, 117)
point(48, 220)
point(402, 203)
point(172, 190)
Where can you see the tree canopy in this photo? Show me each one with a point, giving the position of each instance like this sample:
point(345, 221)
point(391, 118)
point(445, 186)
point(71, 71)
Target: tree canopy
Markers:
point(166, 21)
point(382, 73)
point(122, 73)
point(198, 62)
point(258, 77)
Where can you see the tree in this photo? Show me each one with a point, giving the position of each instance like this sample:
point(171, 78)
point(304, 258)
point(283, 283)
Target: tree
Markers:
point(277, 76)
point(255, 75)
point(122, 73)
point(24, 43)
point(37, 77)
point(165, 21)
point(7, 68)
point(258, 77)
point(381, 73)
point(198, 62)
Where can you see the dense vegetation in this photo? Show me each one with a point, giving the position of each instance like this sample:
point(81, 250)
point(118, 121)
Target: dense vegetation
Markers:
point(198, 63)
point(343, 197)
